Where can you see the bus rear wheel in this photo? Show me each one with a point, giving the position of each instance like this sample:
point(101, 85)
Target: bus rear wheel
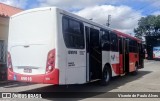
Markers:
point(106, 76)
point(136, 70)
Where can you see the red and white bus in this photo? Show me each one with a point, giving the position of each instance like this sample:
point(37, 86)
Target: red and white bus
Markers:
point(50, 45)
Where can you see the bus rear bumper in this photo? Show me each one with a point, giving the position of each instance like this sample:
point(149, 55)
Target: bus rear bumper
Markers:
point(49, 78)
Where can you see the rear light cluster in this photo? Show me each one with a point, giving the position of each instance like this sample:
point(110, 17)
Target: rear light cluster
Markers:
point(50, 61)
point(9, 62)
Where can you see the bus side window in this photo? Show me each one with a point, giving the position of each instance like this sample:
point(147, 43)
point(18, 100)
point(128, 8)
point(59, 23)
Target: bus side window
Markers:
point(114, 42)
point(133, 46)
point(73, 33)
point(105, 40)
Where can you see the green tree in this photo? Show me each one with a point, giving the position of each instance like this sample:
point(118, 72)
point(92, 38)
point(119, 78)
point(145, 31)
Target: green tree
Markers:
point(148, 26)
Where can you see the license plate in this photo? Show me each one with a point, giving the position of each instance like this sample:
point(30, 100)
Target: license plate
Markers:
point(26, 78)
point(27, 70)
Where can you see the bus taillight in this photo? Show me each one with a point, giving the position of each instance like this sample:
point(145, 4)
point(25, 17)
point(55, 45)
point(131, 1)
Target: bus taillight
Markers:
point(50, 61)
point(9, 61)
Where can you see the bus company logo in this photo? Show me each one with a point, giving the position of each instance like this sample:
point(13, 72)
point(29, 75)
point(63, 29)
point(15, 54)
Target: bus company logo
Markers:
point(113, 57)
point(6, 95)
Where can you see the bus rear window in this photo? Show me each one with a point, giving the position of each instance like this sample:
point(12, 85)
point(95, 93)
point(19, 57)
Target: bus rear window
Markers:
point(73, 33)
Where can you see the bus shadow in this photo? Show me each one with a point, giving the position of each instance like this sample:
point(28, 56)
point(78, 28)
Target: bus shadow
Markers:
point(11, 84)
point(92, 89)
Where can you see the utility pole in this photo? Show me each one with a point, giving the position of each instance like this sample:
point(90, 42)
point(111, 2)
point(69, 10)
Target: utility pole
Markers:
point(108, 21)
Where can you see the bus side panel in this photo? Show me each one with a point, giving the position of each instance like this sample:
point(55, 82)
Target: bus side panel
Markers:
point(71, 62)
point(116, 68)
point(106, 59)
point(133, 58)
point(76, 66)
point(76, 75)
point(61, 57)
point(113, 59)
point(121, 64)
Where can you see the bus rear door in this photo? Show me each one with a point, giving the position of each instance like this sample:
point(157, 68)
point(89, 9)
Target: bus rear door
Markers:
point(94, 54)
point(124, 55)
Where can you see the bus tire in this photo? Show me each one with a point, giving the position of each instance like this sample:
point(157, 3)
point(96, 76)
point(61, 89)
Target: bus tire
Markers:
point(106, 76)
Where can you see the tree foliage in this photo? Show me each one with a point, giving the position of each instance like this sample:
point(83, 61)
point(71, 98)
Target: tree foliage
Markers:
point(148, 26)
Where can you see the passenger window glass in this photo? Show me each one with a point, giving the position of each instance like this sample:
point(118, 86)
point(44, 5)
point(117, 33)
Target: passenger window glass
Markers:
point(133, 46)
point(73, 33)
point(105, 40)
point(114, 42)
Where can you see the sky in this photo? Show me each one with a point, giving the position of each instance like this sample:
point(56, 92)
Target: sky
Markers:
point(124, 13)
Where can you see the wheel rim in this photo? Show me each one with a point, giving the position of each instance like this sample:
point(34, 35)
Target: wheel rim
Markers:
point(106, 76)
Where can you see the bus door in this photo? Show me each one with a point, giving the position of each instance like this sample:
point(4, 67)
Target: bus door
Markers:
point(94, 54)
point(121, 56)
point(126, 54)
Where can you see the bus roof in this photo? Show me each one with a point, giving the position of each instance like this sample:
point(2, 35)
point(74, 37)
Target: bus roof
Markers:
point(76, 17)
point(34, 10)
point(126, 35)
